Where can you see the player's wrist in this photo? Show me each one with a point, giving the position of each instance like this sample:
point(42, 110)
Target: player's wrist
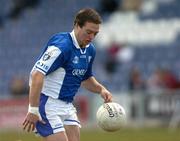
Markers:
point(33, 110)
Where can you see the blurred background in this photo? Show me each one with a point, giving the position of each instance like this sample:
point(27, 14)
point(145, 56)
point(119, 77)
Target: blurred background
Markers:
point(138, 60)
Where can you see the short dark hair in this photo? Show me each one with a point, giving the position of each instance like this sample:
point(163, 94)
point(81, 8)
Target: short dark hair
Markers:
point(87, 15)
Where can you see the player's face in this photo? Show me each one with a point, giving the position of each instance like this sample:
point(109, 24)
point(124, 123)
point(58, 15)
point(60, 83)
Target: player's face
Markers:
point(87, 33)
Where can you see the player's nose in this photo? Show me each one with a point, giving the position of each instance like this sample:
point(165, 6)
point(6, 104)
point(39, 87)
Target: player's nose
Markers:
point(91, 36)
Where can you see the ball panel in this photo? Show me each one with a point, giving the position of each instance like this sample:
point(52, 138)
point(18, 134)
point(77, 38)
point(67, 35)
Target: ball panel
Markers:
point(111, 116)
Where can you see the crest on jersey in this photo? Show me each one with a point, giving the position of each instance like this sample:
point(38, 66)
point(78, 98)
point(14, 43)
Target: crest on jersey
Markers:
point(47, 55)
point(76, 60)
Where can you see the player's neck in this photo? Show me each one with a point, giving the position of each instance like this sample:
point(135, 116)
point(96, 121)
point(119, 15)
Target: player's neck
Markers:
point(81, 46)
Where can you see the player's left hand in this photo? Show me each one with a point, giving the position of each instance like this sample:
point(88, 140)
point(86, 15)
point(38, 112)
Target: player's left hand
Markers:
point(106, 95)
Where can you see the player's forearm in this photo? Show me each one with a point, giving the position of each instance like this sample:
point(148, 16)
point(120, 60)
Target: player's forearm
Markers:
point(93, 85)
point(35, 88)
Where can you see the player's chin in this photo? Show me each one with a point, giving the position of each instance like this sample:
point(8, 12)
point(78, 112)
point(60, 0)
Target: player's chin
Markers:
point(87, 42)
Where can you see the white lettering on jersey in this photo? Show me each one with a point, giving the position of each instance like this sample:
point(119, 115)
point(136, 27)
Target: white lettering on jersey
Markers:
point(79, 72)
point(89, 59)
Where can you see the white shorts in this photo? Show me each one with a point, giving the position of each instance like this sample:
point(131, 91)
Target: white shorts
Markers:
point(56, 113)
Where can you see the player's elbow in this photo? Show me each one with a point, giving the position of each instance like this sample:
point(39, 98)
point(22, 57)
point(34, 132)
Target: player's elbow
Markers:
point(37, 76)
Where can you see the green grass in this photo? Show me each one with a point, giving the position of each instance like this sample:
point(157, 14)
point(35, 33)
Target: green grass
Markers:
point(149, 134)
point(132, 135)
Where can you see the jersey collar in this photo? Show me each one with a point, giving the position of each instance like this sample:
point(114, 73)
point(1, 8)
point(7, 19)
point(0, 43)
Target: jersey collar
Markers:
point(75, 42)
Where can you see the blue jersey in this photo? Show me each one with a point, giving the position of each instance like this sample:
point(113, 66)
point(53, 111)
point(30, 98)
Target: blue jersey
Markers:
point(65, 65)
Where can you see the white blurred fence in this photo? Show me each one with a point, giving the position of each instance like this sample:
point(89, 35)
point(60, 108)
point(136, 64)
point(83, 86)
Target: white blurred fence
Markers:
point(142, 109)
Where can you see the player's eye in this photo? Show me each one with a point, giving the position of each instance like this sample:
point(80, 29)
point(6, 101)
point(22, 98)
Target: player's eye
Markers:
point(91, 32)
point(95, 33)
point(88, 32)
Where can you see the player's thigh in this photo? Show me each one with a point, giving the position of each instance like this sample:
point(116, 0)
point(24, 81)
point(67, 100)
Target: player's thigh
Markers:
point(73, 132)
point(60, 136)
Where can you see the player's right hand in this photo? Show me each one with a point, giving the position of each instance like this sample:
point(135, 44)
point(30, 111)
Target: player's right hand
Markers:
point(30, 122)
point(106, 95)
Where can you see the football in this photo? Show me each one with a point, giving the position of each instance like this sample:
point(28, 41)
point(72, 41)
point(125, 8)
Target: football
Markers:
point(111, 116)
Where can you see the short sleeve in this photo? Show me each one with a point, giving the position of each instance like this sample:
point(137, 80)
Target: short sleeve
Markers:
point(47, 59)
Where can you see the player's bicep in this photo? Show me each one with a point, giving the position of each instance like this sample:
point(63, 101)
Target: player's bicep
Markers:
point(47, 59)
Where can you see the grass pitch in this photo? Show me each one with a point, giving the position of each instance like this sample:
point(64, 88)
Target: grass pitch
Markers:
point(148, 134)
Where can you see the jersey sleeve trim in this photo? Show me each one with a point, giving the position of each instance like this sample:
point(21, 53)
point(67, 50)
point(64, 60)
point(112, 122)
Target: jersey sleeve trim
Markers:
point(40, 70)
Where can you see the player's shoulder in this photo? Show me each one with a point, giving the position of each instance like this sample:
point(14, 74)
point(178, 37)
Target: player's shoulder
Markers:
point(92, 48)
point(60, 40)
point(60, 37)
